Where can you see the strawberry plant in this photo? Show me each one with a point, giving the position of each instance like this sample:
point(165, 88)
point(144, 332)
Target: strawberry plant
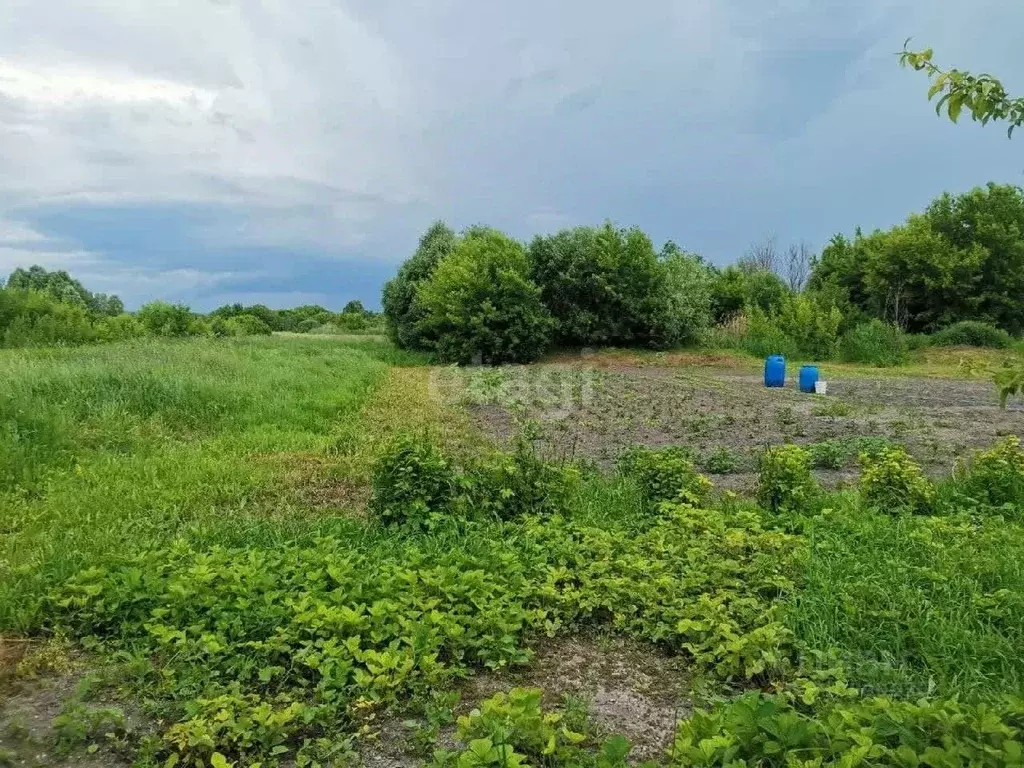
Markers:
point(785, 483)
point(892, 482)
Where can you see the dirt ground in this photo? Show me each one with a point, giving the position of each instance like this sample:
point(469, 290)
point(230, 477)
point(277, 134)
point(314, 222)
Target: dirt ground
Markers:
point(595, 412)
point(626, 688)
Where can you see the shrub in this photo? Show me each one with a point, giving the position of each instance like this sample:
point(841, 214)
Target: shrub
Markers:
point(875, 343)
point(722, 461)
point(413, 482)
point(785, 483)
point(31, 318)
point(603, 286)
point(665, 475)
point(480, 304)
point(119, 328)
point(402, 311)
point(162, 319)
point(996, 477)
point(246, 325)
point(510, 485)
point(764, 337)
point(971, 333)
point(893, 482)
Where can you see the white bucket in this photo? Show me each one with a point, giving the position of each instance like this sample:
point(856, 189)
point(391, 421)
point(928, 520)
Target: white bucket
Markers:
point(821, 387)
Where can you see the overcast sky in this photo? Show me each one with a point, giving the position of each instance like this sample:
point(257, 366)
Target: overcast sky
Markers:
point(292, 151)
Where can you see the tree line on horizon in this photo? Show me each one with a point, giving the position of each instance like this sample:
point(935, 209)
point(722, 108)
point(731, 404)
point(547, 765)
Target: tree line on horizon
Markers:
point(955, 271)
point(40, 308)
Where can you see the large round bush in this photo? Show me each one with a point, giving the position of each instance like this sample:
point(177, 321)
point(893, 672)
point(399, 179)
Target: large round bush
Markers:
point(481, 306)
point(971, 333)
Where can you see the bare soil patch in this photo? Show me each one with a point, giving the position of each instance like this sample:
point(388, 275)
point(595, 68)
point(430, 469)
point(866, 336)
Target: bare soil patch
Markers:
point(628, 688)
point(709, 408)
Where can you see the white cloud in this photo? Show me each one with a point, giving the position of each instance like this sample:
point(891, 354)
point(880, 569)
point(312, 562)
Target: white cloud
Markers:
point(344, 127)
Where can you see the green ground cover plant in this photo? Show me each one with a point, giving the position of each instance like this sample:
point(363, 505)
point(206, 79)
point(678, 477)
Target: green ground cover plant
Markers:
point(150, 519)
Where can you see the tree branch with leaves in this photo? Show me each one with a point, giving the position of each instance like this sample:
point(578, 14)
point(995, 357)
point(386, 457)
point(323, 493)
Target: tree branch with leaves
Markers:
point(982, 95)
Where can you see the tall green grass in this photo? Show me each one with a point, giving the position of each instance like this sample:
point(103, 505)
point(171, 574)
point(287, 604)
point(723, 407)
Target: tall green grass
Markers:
point(106, 450)
point(916, 604)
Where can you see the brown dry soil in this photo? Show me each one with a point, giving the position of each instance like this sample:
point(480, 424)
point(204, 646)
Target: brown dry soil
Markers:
point(593, 412)
point(627, 688)
point(27, 735)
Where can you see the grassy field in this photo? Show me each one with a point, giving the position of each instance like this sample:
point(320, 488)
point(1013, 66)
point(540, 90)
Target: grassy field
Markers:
point(191, 558)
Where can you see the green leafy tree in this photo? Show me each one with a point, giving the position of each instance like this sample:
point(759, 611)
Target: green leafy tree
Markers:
point(603, 286)
point(401, 309)
point(60, 286)
point(687, 282)
point(480, 304)
point(738, 287)
point(354, 307)
point(986, 99)
point(962, 259)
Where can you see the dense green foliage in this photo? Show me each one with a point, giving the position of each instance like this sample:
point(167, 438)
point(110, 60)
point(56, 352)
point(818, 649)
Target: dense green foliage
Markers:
point(401, 306)
point(971, 333)
point(962, 259)
point(893, 483)
point(664, 475)
point(771, 732)
point(785, 483)
point(609, 287)
point(874, 343)
point(61, 287)
point(479, 305)
point(738, 288)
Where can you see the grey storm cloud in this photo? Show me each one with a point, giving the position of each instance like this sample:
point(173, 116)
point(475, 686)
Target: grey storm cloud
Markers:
point(335, 131)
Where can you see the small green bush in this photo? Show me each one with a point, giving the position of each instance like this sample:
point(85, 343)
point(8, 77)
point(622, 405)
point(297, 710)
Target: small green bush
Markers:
point(665, 475)
point(875, 343)
point(33, 319)
point(722, 461)
point(893, 482)
point(971, 333)
point(118, 328)
point(413, 482)
point(510, 485)
point(510, 729)
point(996, 477)
point(246, 325)
point(785, 482)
